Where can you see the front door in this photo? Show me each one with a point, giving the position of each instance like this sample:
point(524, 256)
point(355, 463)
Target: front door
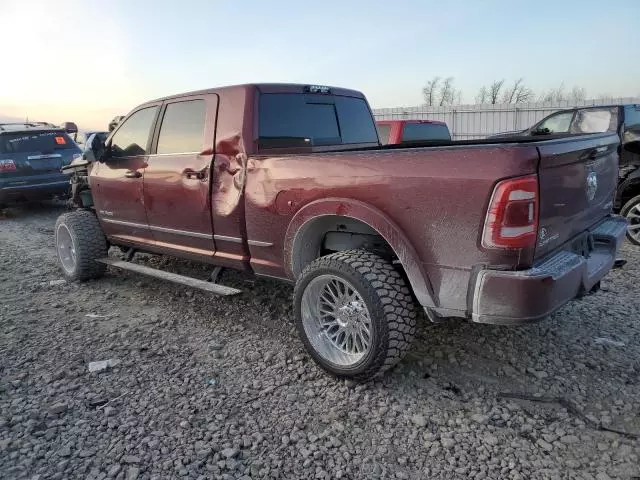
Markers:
point(177, 178)
point(118, 179)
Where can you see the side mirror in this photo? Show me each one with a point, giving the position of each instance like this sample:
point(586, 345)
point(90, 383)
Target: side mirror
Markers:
point(96, 152)
point(540, 131)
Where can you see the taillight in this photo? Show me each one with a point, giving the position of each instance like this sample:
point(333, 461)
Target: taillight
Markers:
point(7, 166)
point(512, 217)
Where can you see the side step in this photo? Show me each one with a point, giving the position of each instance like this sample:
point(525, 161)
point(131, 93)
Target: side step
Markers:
point(171, 277)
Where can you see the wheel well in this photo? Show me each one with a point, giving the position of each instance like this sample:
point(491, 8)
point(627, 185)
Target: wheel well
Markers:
point(630, 190)
point(333, 233)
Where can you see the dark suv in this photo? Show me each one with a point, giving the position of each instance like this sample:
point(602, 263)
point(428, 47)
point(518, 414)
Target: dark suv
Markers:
point(623, 119)
point(31, 156)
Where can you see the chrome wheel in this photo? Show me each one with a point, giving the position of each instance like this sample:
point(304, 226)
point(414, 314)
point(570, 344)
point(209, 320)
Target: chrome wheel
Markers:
point(336, 320)
point(633, 217)
point(66, 249)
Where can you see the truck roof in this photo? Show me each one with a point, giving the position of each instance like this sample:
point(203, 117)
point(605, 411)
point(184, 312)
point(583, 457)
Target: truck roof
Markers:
point(262, 88)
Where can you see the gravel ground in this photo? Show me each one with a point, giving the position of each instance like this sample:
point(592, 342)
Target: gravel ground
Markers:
point(221, 388)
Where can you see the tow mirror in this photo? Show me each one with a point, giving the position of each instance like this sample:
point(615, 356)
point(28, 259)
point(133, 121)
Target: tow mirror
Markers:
point(96, 151)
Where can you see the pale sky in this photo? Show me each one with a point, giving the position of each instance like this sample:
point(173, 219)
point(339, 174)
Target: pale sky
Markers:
point(87, 61)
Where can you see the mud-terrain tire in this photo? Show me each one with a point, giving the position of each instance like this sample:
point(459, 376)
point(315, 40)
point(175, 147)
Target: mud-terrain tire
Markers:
point(328, 300)
point(79, 243)
point(631, 210)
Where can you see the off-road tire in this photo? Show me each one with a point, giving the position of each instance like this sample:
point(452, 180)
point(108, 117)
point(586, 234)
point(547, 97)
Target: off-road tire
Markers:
point(89, 243)
point(632, 207)
point(389, 301)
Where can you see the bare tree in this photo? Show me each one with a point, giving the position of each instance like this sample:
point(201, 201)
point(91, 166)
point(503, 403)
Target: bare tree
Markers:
point(447, 92)
point(578, 94)
point(517, 93)
point(483, 95)
point(458, 97)
point(430, 91)
point(494, 91)
point(554, 95)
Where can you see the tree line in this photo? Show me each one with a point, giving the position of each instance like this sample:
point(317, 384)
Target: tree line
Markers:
point(441, 91)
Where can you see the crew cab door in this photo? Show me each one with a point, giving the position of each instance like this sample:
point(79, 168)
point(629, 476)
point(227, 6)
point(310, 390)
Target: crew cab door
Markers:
point(177, 177)
point(117, 179)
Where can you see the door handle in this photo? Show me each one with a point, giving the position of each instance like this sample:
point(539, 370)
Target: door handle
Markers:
point(190, 173)
point(133, 174)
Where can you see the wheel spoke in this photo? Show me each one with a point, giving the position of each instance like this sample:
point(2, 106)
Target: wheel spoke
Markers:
point(337, 320)
point(634, 227)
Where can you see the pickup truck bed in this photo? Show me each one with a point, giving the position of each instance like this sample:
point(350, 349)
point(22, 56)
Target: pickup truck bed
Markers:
point(290, 181)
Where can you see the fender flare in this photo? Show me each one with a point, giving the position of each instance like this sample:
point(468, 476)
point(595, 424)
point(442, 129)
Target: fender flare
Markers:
point(374, 218)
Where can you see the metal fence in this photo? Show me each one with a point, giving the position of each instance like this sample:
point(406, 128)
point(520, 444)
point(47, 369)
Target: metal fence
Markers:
point(477, 121)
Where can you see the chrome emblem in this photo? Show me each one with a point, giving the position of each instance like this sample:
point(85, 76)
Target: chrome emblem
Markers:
point(592, 185)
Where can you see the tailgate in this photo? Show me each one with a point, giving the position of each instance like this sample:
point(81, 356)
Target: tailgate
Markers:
point(577, 180)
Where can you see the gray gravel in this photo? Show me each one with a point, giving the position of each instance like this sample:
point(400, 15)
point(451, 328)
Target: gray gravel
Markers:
point(221, 388)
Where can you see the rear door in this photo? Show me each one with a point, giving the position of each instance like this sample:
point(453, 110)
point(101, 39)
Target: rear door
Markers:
point(177, 178)
point(35, 157)
point(578, 178)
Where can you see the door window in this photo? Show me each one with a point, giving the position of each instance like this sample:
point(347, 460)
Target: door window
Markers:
point(558, 123)
point(595, 120)
point(132, 137)
point(182, 129)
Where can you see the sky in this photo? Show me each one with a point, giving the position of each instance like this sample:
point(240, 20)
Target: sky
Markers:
point(87, 61)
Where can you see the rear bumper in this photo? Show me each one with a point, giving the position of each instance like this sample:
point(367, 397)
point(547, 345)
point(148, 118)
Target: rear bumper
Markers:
point(520, 297)
point(35, 187)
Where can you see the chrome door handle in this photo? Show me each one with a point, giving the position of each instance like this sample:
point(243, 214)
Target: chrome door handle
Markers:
point(133, 174)
point(190, 173)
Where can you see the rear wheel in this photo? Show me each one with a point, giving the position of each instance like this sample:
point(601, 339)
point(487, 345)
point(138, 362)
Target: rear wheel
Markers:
point(631, 211)
point(354, 314)
point(79, 243)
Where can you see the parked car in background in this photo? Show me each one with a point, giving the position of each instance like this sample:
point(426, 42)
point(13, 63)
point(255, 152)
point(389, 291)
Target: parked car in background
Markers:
point(622, 119)
point(84, 138)
point(291, 182)
point(392, 132)
point(31, 156)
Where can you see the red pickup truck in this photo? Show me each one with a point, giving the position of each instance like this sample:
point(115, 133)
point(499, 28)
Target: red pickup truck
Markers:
point(291, 182)
point(392, 132)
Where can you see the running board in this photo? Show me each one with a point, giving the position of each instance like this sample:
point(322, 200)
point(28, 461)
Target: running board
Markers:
point(171, 277)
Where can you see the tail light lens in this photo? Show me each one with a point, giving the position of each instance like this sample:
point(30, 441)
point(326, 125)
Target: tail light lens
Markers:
point(512, 217)
point(7, 166)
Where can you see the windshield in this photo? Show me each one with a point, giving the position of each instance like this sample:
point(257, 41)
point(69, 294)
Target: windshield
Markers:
point(42, 142)
point(304, 120)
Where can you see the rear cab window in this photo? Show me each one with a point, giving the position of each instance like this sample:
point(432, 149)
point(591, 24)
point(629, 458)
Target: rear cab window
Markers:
point(415, 132)
point(290, 120)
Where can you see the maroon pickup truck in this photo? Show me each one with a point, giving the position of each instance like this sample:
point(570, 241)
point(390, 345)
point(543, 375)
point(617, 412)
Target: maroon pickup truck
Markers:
point(291, 182)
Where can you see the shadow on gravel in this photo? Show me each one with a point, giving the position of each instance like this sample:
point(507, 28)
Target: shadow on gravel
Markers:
point(32, 209)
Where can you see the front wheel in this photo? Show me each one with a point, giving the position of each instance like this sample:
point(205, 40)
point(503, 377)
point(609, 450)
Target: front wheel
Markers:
point(354, 314)
point(79, 243)
point(631, 210)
